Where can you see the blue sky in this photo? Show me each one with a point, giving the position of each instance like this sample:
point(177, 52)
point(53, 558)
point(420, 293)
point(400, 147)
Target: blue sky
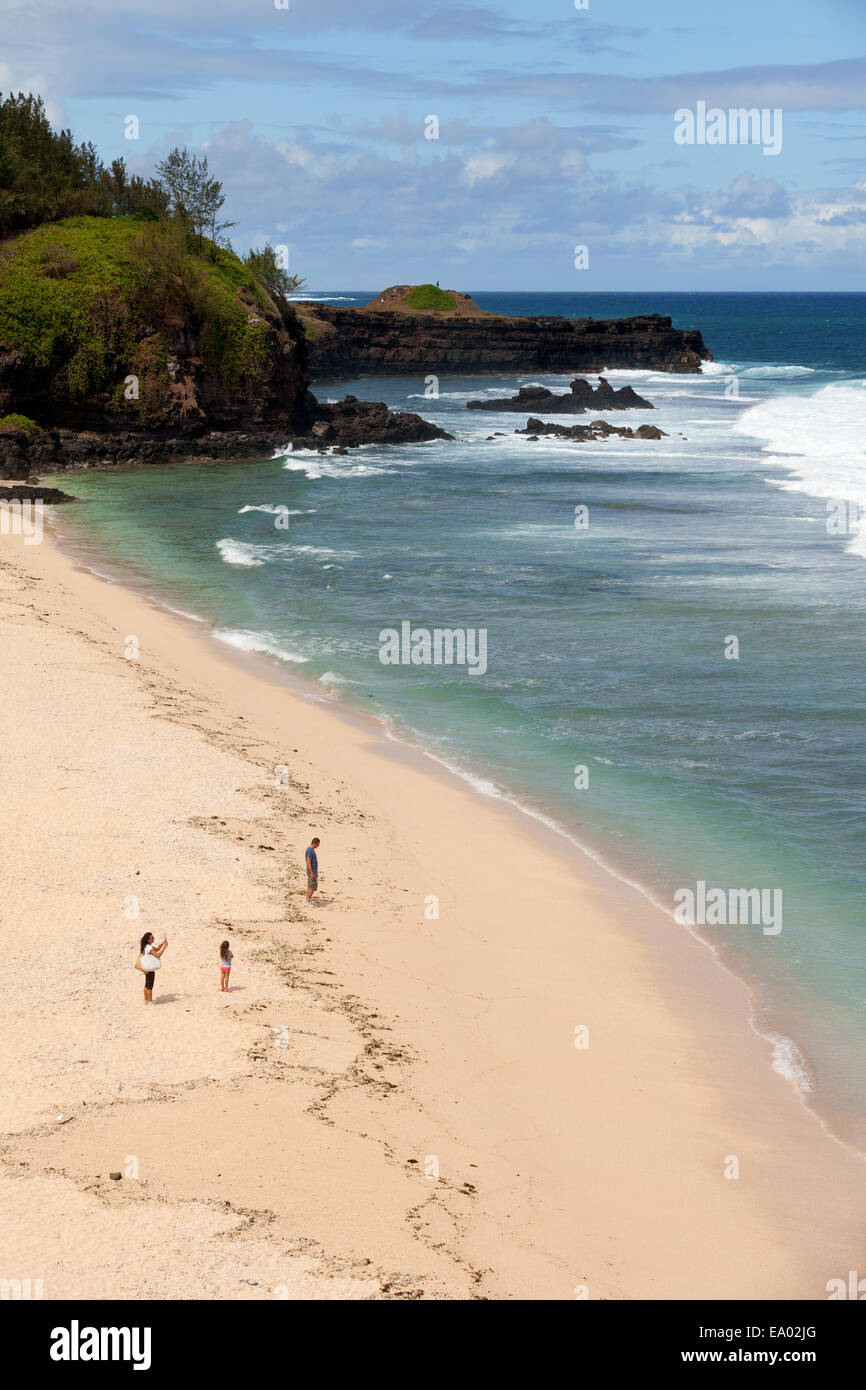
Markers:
point(555, 129)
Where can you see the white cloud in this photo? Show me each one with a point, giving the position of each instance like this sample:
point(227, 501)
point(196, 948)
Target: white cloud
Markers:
point(486, 165)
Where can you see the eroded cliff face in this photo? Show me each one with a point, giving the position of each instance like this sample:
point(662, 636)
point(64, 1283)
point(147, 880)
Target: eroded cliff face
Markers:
point(185, 406)
point(346, 343)
point(116, 349)
point(182, 394)
point(190, 414)
point(122, 341)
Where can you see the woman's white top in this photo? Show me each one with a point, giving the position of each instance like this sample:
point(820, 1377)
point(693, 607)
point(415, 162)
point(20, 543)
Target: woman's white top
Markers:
point(152, 962)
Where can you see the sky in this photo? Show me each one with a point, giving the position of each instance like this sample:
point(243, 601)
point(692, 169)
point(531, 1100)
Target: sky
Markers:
point(554, 129)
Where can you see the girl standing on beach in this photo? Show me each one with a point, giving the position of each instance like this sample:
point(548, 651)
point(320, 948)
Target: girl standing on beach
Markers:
point(225, 967)
point(147, 948)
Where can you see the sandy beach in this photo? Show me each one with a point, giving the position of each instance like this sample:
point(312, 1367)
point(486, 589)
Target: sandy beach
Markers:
point(391, 1103)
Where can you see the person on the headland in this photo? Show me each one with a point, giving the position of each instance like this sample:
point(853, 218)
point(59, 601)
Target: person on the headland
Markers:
point(226, 957)
point(147, 948)
point(312, 861)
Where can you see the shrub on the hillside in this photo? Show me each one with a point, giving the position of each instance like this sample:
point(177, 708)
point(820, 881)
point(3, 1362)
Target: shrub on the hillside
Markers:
point(430, 297)
point(19, 422)
point(266, 266)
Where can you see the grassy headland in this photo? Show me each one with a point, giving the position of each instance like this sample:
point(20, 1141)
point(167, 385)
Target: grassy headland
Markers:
point(102, 299)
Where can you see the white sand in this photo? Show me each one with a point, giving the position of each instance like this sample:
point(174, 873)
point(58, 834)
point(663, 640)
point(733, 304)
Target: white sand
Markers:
point(299, 1170)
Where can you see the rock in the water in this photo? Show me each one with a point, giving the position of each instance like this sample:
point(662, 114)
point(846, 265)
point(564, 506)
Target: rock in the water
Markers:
point(598, 429)
point(21, 492)
point(351, 422)
point(574, 402)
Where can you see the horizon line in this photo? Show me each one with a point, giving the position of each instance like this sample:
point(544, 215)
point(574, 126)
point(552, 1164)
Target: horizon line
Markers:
point(653, 291)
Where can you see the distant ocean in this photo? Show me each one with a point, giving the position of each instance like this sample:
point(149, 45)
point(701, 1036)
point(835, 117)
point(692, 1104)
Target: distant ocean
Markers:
point(606, 646)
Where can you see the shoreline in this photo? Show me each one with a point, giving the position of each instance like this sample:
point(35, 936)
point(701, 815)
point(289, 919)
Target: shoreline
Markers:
point(661, 1221)
point(785, 1055)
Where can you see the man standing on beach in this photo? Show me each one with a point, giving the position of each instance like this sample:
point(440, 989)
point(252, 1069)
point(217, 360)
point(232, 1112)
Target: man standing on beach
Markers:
point(312, 861)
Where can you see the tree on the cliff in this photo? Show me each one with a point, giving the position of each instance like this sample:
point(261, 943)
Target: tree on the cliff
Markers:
point(43, 173)
point(45, 176)
point(268, 269)
point(131, 196)
point(194, 198)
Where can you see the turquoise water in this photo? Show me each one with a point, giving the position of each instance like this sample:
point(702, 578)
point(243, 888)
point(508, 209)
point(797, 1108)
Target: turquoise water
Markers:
point(606, 646)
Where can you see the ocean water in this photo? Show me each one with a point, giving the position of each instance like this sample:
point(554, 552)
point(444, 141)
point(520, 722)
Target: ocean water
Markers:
point(610, 648)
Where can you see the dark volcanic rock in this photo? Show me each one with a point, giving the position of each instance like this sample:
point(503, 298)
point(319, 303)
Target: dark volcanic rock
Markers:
point(575, 402)
point(598, 429)
point(351, 422)
point(55, 451)
point(357, 342)
point(21, 493)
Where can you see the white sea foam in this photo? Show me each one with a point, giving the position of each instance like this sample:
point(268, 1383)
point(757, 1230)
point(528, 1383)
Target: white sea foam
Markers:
point(719, 369)
point(332, 680)
point(303, 465)
point(788, 1060)
point(267, 643)
point(776, 371)
point(474, 395)
point(276, 511)
point(323, 298)
point(821, 438)
point(242, 553)
point(182, 613)
point(329, 465)
point(648, 374)
point(322, 552)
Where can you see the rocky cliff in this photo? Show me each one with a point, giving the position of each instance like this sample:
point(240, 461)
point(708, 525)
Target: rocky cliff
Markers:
point(121, 342)
point(347, 343)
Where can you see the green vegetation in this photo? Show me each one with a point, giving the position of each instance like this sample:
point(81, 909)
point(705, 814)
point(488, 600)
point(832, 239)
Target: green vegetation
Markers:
point(45, 177)
point(102, 295)
point(19, 422)
point(430, 297)
point(310, 323)
point(194, 198)
point(266, 265)
point(102, 272)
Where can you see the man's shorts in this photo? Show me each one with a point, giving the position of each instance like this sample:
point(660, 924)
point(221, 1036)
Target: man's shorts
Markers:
point(312, 882)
